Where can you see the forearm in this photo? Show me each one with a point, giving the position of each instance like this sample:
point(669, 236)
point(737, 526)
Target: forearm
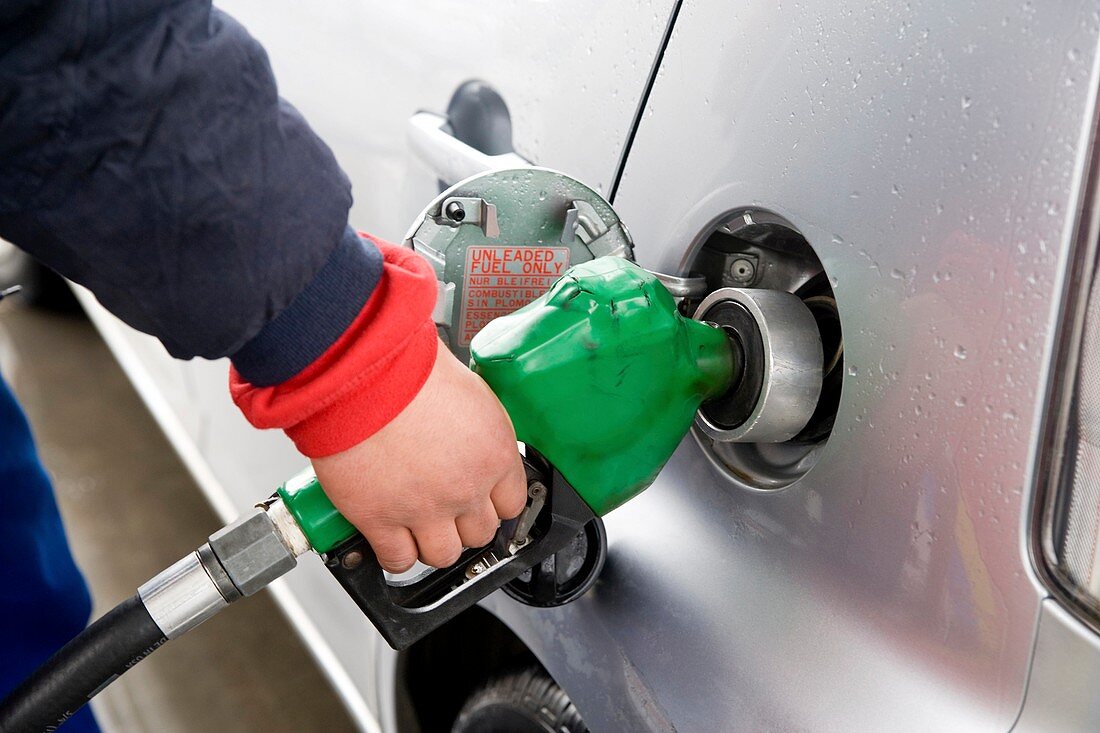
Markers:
point(145, 153)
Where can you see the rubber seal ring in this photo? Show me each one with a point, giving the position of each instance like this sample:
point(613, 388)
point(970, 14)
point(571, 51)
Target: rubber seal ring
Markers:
point(736, 405)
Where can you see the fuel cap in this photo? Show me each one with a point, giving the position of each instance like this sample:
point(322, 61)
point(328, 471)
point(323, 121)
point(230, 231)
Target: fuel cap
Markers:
point(498, 240)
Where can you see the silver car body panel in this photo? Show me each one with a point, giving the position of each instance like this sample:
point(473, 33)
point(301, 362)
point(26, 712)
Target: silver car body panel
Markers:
point(932, 154)
point(572, 74)
point(1065, 674)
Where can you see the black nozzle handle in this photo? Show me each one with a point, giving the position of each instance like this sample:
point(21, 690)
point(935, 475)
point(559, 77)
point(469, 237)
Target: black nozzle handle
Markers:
point(405, 611)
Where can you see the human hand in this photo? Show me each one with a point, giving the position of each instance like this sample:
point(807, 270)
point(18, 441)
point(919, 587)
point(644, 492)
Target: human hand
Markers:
point(437, 478)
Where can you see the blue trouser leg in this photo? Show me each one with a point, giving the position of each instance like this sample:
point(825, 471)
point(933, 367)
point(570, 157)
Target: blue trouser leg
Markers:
point(43, 599)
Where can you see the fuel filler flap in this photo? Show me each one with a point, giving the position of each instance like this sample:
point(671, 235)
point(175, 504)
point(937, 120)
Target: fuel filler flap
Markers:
point(500, 239)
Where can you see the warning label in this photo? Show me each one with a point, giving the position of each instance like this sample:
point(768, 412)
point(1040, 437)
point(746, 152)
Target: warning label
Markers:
point(500, 280)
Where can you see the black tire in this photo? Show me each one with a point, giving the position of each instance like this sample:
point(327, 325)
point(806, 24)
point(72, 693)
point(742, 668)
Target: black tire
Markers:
point(523, 702)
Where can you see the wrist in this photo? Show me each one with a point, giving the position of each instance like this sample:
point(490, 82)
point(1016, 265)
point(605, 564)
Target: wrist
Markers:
point(367, 376)
point(317, 316)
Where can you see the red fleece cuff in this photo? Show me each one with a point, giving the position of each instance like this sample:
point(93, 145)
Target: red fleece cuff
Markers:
point(367, 376)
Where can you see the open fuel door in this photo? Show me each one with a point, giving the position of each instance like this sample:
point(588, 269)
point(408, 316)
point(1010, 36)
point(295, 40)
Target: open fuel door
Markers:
point(500, 239)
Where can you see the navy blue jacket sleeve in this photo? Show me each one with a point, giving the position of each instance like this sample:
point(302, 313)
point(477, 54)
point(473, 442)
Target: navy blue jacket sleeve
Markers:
point(145, 153)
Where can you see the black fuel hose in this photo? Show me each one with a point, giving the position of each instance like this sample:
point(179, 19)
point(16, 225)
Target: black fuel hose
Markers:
point(70, 678)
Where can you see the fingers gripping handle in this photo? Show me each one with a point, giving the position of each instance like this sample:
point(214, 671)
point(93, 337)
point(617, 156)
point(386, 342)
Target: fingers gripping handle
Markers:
point(406, 610)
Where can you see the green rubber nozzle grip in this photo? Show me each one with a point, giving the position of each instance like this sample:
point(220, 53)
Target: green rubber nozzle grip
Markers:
point(319, 520)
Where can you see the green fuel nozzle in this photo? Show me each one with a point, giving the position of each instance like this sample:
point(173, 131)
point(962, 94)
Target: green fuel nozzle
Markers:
point(601, 375)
